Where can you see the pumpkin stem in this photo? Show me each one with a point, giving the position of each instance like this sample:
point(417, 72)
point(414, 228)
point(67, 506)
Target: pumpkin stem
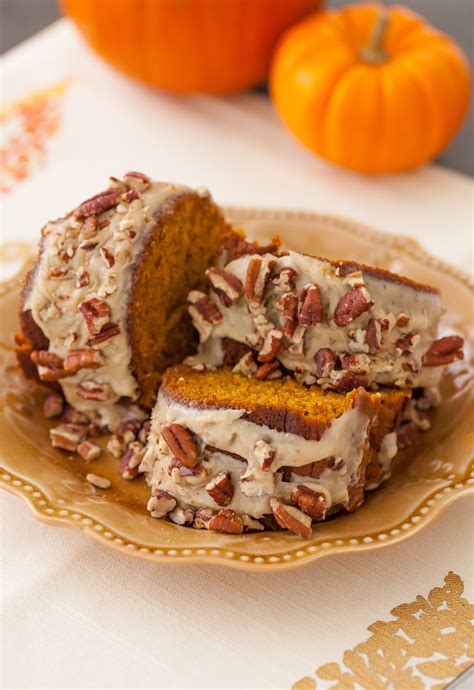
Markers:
point(374, 52)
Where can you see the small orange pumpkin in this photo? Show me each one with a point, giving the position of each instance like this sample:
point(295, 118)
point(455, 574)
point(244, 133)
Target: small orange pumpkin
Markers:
point(211, 46)
point(372, 89)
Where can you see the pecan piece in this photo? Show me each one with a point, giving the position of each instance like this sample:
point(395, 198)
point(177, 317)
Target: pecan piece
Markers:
point(444, 351)
point(83, 278)
point(350, 380)
point(269, 370)
point(406, 435)
point(160, 503)
point(108, 258)
point(202, 517)
point(271, 346)
point(53, 406)
point(43, 358)
point(118, 443)
point(204, 313)
point(258, 273)
point(251, 525)
point(351, 305)
point(89, 451)
point(98, 203)
point(407, 343)
point(138, 176)
point(94, 391)
point(96, 314)
point(312, 503)
point(67, 436)
point(107, 332)
point(246, 365)
point(131, 460)
point(373, 335)
point(326, 361)
point(220, 489)
point(265, 454)
point(181, 444)
point(181, 516)
point(99, 482)
point(74, 416)
point(285, 280)
point(291, 518)
point(82, 359)
point(311, 310)
point(225, 284)
point(226, 521)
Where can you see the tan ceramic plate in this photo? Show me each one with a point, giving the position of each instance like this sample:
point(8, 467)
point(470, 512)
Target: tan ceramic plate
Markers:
point(421, 488)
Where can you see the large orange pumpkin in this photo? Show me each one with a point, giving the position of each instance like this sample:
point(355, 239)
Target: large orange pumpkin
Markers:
point(212, 46)
point(372, 89)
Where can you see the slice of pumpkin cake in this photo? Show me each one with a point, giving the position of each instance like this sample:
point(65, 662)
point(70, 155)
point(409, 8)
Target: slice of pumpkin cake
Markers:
point(232, 454)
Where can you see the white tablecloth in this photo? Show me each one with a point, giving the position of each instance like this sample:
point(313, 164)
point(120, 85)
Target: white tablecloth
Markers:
point(76, 615)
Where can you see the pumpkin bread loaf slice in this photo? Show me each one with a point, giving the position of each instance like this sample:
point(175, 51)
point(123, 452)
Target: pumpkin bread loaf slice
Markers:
point(103, 310)
point(233, 454)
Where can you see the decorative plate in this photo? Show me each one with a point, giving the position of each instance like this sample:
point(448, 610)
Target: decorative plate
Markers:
point(422, 486)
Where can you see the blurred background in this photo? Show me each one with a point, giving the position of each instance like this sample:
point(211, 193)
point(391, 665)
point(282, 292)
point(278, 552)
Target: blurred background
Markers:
point(20, 19)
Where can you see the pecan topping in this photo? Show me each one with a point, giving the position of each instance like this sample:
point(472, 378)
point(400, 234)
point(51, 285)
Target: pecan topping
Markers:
point(82, 359)
point(160, 503)
point(265, 454)
point(83, 278)
point(118, 443)
point(96, 314)
point(221, 489)
point(350, 380)
point(246, 365)
point(88, 246)
point(312, 503)
point(74, 416)
point(325, 360)
point(89, 228)
point(226, 521)
point(131, 460)
point(46, 359)
point(373, 335)
point(109, 331)
point(108, 258)
point(291, 518)
point(358, 364)
point(181, 444)
point(104, 223)
point(67, 436)
point(444, 351)
point(203, 312)
point(202, 517)
point(53, 406)
point(98, 203)
point(181, 517)
point(407, 343)
point(226, 286)
point(99, 482)
point(285, 280)
point(402, 320)
point(89, 451)
point(311, 310)
point(351, 305)
point(251, 525)
point(94, 391)
point(269, 370)
point(59, 272)
point(406, 435)
point(138, 176)
point(258, 273)
point(130, 196)
point(271, 346)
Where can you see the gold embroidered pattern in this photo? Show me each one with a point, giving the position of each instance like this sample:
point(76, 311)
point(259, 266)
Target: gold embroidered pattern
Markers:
point(430, 640)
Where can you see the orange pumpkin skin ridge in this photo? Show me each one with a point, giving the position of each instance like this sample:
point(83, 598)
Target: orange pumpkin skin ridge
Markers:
point(370, 118)
point(188, 46)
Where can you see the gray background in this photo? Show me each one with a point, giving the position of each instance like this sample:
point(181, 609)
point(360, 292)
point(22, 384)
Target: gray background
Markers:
point(22, 18)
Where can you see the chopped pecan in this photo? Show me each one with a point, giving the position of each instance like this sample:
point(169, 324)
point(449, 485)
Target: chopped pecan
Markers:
point(204, 313)
point(265, 454)
point(350, 380)
point(67, 436)
point(89, 228)
point(258, 273)
point(74, 416)
point(59, 272)
point(160, 503)
point(285, 280)
point(202, 517)
point(226, 521)
point(46, 359)
point(53, 406)
point(269, 370)
point(104, 223)
point(107, 332)
point(181, 444)
point(271, 346)
point(131, 460)
point(117, 443)
point(130, 196)
point(225, 284)
point(96, 314)
point(83, 278)
point(181, 516)
point(351, 305)
point(359, 364)
point(176, 470)
point(311, 310)
point(373, 335)
point(246, 365)
point(312, 503)
point(402, 320)
point(89, 390)
point(95, 430)
point(98, 203)
point(108, 258)
point(89, 451)
point(88, 246)
point(129, 424)
point(82, 359)
point(251, 525)
point(406, 435)
point(138, 176)
point(291, 518)
point(326, 361)
point(407, 343)
point(144, 431)
point(99, 482)
point(221, 489)
point(444, 351)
